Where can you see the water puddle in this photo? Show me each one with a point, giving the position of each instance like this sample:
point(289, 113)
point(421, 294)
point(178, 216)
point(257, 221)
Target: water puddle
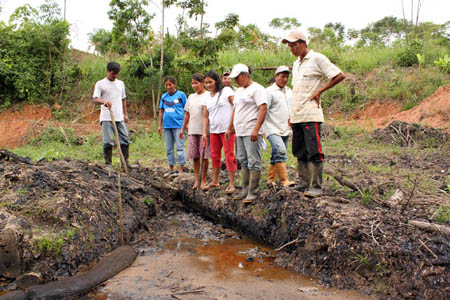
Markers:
point(190, 268)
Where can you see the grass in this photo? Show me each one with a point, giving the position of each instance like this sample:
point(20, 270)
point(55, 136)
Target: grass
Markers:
point(443, 213)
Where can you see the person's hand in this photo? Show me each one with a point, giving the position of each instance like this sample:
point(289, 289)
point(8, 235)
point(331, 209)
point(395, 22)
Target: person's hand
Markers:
point(125, 117)
point(204, 138)
point(316, 97)
point(254, 135)
point(228, 133)
point(159, 130)
point(289, 123)
point(108, 104)
point(181, 134)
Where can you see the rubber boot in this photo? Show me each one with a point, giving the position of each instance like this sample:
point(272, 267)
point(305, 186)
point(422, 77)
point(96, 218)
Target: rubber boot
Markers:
point(272, 174)
point(304, 176)
point(126, 154)
point(255, 175)
point(282, 174)
point(245, 174)
point(107, 154)
point(316, 189)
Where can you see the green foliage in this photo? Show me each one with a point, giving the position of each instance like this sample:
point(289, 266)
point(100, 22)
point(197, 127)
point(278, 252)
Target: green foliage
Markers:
point(55, 134)
point(408, 57)
point(49, 243)
point(285, 23)
point(443, 64)
point(443, 213)
point(101, 40)
point(33, 48)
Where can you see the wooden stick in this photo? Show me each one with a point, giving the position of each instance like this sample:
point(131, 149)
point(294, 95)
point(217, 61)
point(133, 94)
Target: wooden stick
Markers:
point(84, 116)
point(287, 244)
point(120, 209)
point(431, 227)
point(371, 232)
point(429, 250)
point(122, 159)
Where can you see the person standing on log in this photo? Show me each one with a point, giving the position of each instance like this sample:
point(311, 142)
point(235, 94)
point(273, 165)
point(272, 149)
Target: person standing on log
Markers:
point(217, 111)
point(276, 126)
point(110, 94)
point(193, 122)
point(306, 113)
point(170, 118)
point(250, 108)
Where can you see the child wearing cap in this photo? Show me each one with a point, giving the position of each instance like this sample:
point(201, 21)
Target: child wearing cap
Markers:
point(276, 125)
point(193, 121)
point(170, 118)
point(250, 107)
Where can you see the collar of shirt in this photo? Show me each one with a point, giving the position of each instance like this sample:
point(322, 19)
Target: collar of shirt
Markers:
point(307, 56)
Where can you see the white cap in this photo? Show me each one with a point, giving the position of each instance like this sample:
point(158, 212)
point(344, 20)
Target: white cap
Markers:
point(238, 69)
point(294, 36)
point(282, 69)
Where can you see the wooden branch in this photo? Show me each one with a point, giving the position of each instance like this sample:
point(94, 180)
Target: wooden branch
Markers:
point(431, 227)
point(429, 250)
point(287, 244)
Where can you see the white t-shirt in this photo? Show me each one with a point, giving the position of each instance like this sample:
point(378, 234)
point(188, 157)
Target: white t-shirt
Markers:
point(246, 103)
point(113, 91)
point(219, 110)
point(278, 107)
point(306, 79)
point(194, 106)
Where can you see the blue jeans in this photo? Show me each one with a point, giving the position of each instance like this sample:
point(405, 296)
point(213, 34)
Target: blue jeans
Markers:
point(171, 138)
point(248, 152)
point(108, 133)
point(279, 148)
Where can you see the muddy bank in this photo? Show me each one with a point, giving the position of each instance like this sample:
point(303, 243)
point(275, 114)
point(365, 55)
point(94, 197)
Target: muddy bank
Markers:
point(344, 243)
point(59, 217)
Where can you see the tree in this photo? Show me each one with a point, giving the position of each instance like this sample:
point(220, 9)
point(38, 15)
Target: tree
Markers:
point(195, 8)
point(285, 23)
point(101, 40)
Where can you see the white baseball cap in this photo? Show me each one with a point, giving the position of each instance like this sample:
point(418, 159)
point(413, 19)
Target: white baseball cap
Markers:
point(282, 69)
point(294, 36)
point(238, 69)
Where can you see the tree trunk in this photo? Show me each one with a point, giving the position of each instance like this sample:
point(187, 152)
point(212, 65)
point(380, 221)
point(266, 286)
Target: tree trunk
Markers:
point(201, 20)
point(162, 56)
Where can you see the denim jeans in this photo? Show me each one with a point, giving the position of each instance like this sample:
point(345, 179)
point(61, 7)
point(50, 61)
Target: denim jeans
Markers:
point(279, 148)
point(248, 152)
point(108, 133)
point(171, 138)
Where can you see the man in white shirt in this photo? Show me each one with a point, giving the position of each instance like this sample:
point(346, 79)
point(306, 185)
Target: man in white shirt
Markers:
point(276, 125)
point(306, 113)
point(110, 93)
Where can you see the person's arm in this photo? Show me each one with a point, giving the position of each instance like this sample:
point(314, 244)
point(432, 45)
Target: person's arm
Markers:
point(335, 80)
point(125, 112)
point(230, 129)
point(231, 99)
point(185, 124)
point(262, 110)
point(160, 120)
point(97, 97)
point(205, 124)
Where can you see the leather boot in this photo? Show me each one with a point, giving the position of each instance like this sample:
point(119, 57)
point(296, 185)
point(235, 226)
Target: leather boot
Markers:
point(316, 189)
point(304, 175)
point(282, 174)
point(245, 174)
point(107, 154)
point(272, 174)
point(255, 175)
point(126, 154)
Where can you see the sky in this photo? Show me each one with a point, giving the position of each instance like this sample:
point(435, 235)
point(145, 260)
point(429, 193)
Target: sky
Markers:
point(87, 15)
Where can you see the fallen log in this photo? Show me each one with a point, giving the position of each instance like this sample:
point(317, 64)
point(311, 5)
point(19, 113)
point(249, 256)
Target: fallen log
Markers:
point(80, 284)
point(431, 227)
point(16, 295)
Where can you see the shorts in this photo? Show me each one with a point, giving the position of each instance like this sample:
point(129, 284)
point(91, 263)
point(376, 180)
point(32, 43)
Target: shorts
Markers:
point(195, 148)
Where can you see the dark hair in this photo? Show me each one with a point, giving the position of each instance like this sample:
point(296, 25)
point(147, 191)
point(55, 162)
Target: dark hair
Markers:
point(113, 66)
point(198, 77)
point(272, 80)
point(214, 76)
point(170, 78)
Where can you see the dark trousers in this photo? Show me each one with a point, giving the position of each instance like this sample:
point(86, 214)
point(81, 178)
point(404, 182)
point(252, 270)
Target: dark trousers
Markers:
point(306, 144)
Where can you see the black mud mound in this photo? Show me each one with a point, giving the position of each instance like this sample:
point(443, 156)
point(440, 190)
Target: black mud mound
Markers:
point(57, 217)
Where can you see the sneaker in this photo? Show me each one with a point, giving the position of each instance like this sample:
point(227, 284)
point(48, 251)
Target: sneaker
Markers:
point(313, 192)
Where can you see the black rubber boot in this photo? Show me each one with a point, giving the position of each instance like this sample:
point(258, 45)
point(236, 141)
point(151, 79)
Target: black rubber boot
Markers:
point(304, 176)
point(107, 154)
point(316, 189)
point(245, 173)
point(255, 176)
point(126, 154)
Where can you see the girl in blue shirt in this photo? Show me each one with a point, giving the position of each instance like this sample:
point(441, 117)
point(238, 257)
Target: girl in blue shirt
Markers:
point(170, 118)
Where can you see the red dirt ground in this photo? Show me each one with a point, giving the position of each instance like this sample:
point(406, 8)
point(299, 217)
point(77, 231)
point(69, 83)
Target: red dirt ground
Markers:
point(21, 122)
point(433, 111)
